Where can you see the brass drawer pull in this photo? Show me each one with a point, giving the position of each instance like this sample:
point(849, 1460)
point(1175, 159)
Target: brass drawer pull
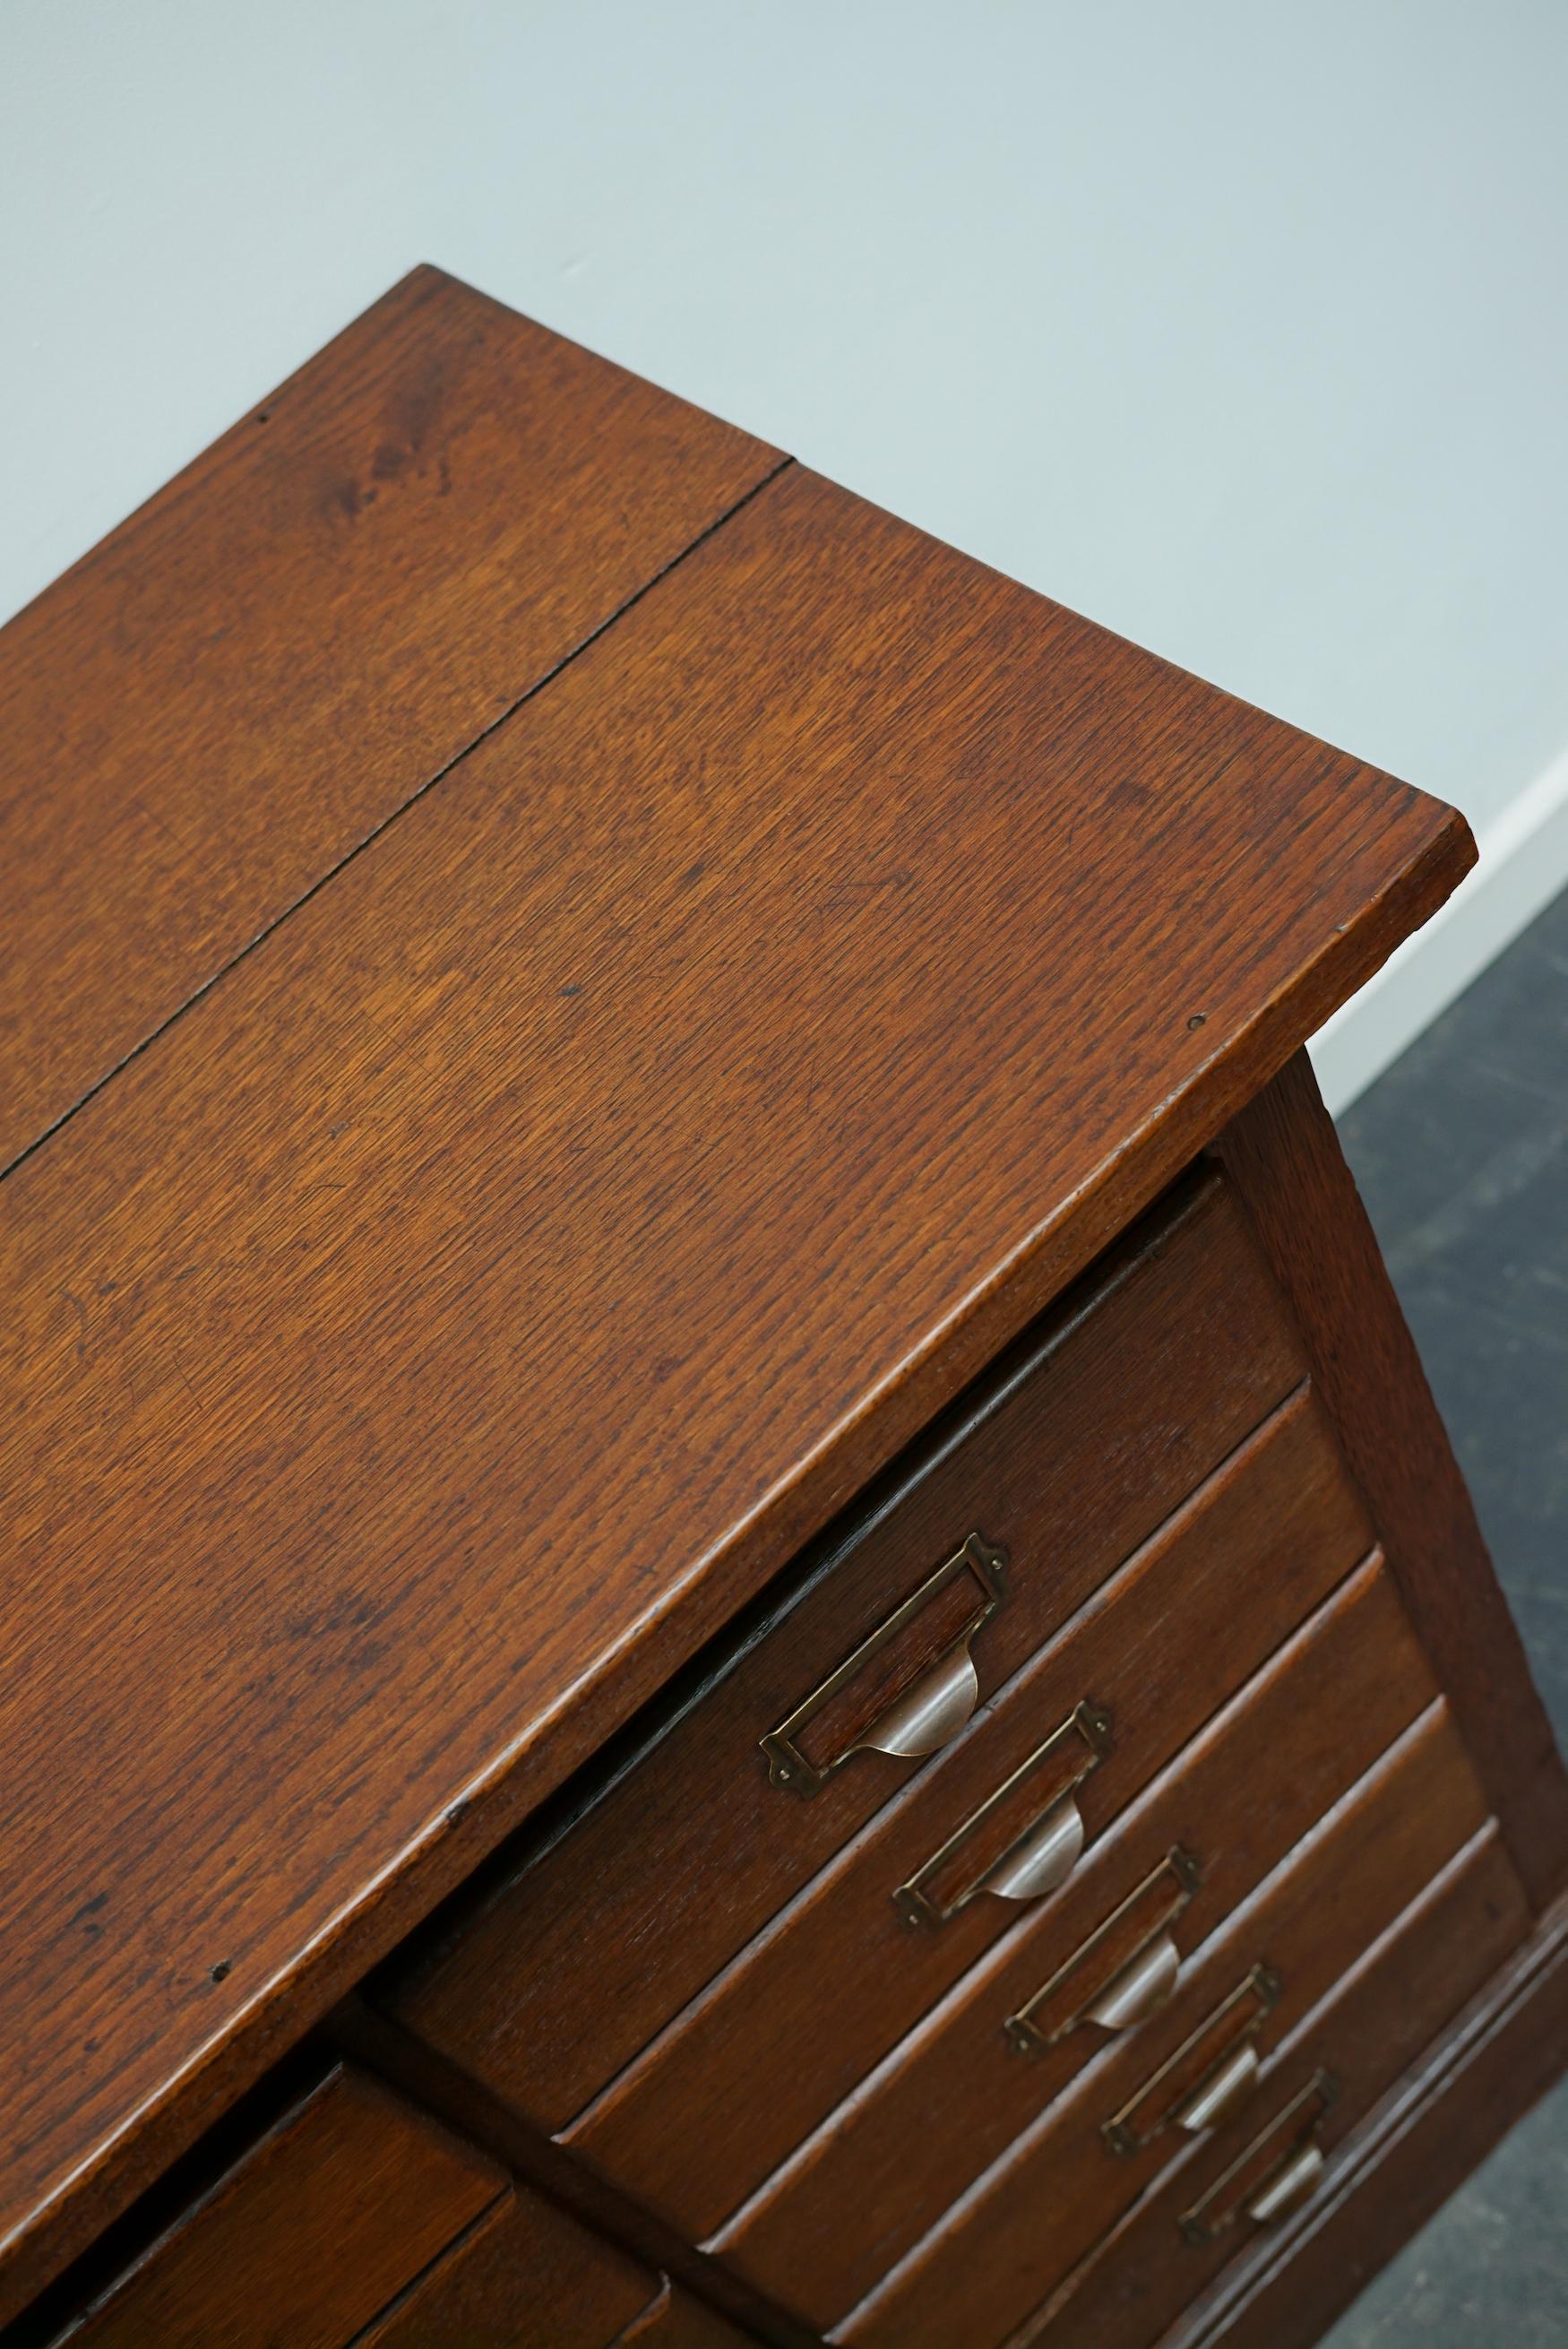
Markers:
point(1244, 2191)
point(1226, 2082)
point(1141, 1989)
point(1139, 1986)
point(1288, 2187)
point(1223, 2091)
point(928, 1702)
point(1035, 1858)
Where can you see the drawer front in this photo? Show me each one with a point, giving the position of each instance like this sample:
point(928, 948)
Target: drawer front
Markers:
point(1094, 1965)
point(527, 2276)
point(721, 2097)
point(676, 2320)
point(1194, 2067)
point(1224, 2192)
point(330, 2215)
point(1070, 1454)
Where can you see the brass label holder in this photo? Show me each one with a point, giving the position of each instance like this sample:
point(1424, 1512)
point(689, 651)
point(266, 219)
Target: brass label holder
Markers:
point(926, 1716)
point(1055, 1833)
point(1025, 2032)
point(1225, 2083)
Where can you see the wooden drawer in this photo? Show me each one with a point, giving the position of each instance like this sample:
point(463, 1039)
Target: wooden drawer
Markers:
point(329, 2216)
point(1070, 1454)
point(358, 2219)
point(1063, 2184)
point(1214, 2202)
point(529, 2276)
point(1013, 2032)
point(723, 2095)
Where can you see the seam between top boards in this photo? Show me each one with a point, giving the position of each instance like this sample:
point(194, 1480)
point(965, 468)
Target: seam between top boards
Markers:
point(376, 832)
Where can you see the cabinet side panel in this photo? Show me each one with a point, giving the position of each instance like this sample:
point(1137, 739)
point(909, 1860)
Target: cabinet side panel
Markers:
point(1284, 1159)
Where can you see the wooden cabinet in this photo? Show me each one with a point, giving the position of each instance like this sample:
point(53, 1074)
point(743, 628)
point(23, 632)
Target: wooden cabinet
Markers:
point(723, 1554)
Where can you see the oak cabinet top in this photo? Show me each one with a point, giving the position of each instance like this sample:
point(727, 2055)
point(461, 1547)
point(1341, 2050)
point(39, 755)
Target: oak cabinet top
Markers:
point(567, 982)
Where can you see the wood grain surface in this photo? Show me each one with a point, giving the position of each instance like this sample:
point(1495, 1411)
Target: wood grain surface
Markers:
point(426, 2076)
point(335, 2210)
point(677, 2321)
point(527, 2276)
point(216, 705)
point(423, 1344)
point(1283, 1157)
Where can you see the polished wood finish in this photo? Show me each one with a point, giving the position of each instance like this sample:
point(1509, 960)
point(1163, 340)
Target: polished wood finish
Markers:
point(306, 2239)
point(1058, 2189)
point(579, 999)
point(1402, 2162)
point(1379, 2020)
point(948, 2100)
point(222, 701)
point(767, 937)
point(526, 2276)
point(726, 2092)
point(677, 2321)
point(1285, 1158)
point(426, 2076)
point(688, 1854)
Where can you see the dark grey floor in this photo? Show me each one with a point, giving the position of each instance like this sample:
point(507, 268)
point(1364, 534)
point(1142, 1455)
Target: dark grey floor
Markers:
point(1462, 1152)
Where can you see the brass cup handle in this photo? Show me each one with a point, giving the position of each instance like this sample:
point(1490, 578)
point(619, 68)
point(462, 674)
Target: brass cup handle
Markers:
point(1142, 1986)
point(1290, 2185)
point(1284, 2185)
point(1039, 1857)
point(1226, 2083)
point(1080, 1990)
point(1040, 1860)
point(932, 1712)
point(928, 1711)
point(1223, 2092)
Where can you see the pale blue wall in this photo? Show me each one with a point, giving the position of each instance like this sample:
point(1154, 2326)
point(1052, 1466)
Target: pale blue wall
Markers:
point(1243, 328)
